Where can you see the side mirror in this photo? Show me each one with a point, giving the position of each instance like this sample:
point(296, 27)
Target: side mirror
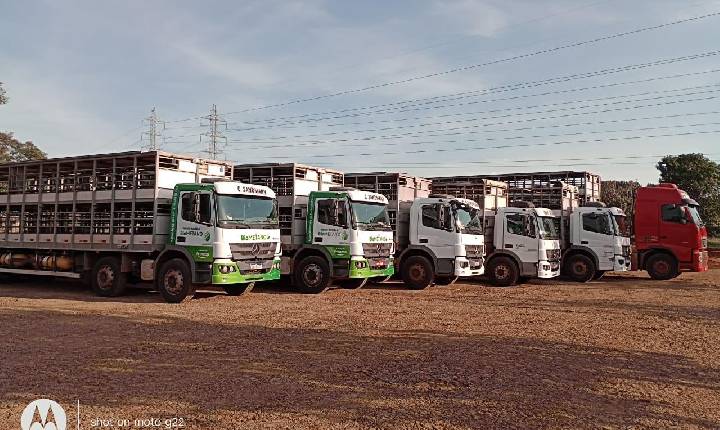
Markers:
point(529, 226)
point(443, 218)
point(340, 214)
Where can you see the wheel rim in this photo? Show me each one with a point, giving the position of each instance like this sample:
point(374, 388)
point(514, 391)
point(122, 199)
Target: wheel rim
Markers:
point(417, 273)
point(501, 272)
point(312, 275)
point(105, 278)
point(580, 268)
point(661, 267)
point(173, 282)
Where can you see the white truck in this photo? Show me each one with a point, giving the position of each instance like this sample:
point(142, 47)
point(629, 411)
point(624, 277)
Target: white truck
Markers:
point(593, 238)
point(593, 242)
point(438, 238)
point(329, 233)
point(520, 242)
point(114, 219)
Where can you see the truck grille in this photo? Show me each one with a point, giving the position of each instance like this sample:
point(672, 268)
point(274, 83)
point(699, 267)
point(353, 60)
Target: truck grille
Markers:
point(553, 254)
point(474, 251)
point(253, 250)
point(374, 250)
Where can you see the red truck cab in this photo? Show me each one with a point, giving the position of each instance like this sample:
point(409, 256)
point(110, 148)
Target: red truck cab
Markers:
point(670, 236)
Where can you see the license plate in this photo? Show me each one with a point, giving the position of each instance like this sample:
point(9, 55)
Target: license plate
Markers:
point(254, 266)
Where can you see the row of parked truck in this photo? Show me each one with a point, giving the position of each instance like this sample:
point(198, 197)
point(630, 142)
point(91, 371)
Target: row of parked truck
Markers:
point(182, 222)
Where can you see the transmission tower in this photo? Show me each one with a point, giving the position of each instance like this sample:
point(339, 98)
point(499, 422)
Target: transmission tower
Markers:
point(155, 126)
point(214, 136)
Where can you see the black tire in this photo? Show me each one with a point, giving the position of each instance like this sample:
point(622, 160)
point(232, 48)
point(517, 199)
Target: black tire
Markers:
point(445, 280)
point(107, 280)
point(417, 272)
point(312, 275)
point(353, 284)
point(238, 289)
point(580, 268)
point(174, 281)
point(599, 274)
point(662, 267)
point(503, 272)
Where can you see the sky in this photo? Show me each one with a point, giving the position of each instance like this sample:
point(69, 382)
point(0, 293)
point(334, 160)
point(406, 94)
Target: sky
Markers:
point(428, 87)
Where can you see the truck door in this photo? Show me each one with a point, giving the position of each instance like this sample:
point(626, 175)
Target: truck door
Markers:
point(520, 237)
point(676, 232)
point(596, 233)
point(195, 224)
point(436, 230)
point(331, 227)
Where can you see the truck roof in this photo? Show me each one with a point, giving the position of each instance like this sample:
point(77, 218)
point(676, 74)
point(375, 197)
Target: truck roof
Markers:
point(114, 155)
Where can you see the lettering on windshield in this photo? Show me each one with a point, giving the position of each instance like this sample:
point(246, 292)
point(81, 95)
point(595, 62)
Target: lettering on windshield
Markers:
point(252, 190)
point(375, 197)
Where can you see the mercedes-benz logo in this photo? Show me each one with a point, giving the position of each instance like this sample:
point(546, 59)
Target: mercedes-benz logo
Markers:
point(379, 248)
point(255, 249)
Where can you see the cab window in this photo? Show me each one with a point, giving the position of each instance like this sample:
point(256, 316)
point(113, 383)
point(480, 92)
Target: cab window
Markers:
point(325, 208)
point(672, 213)
point(430, 216)
point(519, 224)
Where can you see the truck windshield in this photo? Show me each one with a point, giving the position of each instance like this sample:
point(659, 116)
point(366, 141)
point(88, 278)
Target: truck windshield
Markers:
point(242, 211)
point(695, 215)
point(548, 227)
point(468, 219)
point(370, 216)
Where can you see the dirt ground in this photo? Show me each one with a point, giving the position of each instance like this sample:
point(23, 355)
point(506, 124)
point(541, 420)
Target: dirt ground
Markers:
point(621, 352)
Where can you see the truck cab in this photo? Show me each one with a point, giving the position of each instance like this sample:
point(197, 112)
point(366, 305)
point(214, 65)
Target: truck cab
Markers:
point(526, 244)
point(351, 230)
point(670, 236)
point(222, 233)
point(595, 242)
point(445, 241)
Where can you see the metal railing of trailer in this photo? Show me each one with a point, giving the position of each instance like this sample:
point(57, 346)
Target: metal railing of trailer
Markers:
point(119, 201)
point(292, 183)
point(397, 187)
point(588, 183)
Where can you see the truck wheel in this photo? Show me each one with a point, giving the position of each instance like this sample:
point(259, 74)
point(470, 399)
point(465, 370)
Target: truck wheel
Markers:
point(107, 280)
point(445, 280)
point(661, 267)
point(503, 272)
point(353, 284)
point(312, 275)
point(580, 268)
point(174, 281)
point(238, 289)
point(599, 274)
point(417, 272)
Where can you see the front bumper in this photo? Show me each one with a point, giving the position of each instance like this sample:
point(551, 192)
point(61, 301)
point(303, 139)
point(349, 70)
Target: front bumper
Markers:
point(466, 267)
point(221, 276)
point(548, 269)
point(371, 268)
point(621, 263)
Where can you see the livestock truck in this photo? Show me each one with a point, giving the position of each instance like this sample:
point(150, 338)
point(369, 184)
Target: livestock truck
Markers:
point(670, 237)
point(520, 242)
point(591, 235)
point(115, 219)
point(438, 238)
point(331, 234)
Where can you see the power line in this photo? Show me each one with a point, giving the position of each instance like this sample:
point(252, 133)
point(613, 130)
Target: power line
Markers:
point(476, 66)
point(525, 145)
point(422, 133)
point(427, 124)
point(504, 88)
